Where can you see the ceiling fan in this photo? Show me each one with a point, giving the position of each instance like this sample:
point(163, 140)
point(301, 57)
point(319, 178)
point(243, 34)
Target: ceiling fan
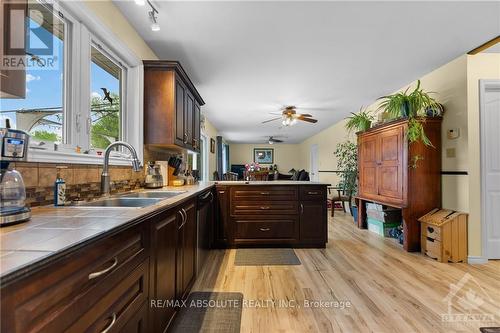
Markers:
point(272, 140)
point(289, 117)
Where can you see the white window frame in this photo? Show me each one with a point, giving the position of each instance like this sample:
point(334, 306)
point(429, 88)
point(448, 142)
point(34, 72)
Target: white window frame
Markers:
point(85, 29)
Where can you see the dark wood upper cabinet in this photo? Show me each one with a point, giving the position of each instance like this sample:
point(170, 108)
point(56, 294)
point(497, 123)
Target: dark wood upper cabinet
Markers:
point(398, 174)
point(171, 106)
point(12, 81)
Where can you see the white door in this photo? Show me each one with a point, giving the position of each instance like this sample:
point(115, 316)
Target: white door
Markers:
point(490, 161)
point(314, 163)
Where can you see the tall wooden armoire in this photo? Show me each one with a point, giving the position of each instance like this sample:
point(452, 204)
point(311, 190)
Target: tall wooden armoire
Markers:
point(396, 173)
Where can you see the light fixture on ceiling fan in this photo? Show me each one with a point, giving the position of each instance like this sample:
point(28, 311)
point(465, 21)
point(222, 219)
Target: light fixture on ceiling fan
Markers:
point(289, 117)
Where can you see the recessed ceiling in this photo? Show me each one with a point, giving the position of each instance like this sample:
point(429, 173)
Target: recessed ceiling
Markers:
point(251, 58)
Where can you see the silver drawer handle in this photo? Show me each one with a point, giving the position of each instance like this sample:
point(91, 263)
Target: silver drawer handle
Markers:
point(104, 271)
point(264, 193)
point(264, 229)
point(312, 193)
point(113, 321)
point(265, 207)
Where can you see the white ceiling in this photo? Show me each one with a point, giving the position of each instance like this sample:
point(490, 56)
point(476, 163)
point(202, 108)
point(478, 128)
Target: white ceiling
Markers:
point(251, 58)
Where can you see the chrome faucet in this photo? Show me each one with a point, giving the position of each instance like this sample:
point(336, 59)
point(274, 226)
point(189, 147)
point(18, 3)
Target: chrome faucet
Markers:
point(136, 164)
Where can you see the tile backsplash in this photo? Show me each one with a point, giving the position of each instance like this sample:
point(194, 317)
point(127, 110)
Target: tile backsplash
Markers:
point(82, 181)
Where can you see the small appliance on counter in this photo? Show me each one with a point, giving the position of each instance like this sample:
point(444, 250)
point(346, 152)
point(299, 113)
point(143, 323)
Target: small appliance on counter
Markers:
point(13, 148)
point(154, 178)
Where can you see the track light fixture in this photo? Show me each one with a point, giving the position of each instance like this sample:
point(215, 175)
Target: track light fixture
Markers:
point(153, 14)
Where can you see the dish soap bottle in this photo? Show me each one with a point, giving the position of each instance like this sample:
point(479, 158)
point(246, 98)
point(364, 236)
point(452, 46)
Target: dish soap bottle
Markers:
point(59, 189)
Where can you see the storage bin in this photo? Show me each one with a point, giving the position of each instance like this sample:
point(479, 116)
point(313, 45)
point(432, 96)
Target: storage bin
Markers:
point(379, 227)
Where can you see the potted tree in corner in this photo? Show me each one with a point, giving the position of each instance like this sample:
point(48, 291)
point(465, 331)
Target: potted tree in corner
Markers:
point(347, 165)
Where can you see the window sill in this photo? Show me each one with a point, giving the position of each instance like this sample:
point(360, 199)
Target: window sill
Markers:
point(47, 156)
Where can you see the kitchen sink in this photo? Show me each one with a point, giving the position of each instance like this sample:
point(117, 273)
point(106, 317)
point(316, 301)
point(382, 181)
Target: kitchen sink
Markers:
point(120, 202)
point(153, 194)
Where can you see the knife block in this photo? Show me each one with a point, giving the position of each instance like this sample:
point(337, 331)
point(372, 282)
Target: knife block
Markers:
point(171, 176)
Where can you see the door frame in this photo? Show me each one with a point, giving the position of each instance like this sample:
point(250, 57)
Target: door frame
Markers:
point(484, 85)
point(314, 172)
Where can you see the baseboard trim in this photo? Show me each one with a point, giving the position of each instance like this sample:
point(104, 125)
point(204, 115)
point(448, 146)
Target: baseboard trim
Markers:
point(476, 260)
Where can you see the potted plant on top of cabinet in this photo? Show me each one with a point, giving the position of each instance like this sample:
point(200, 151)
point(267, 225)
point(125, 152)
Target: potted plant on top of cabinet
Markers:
point(414, 106)
point(360, 121)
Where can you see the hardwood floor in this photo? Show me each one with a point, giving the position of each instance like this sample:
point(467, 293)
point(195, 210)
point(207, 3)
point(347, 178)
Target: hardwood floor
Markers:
point(389, 290)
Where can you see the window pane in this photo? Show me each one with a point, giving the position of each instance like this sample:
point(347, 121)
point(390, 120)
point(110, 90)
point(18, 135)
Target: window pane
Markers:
point(41, 112)
point(105, 112)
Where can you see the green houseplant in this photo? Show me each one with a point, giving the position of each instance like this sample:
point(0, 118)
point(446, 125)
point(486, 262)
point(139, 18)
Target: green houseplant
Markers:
point(360, 121)
point(414, 106)
point(407, 105)
point(347, 164)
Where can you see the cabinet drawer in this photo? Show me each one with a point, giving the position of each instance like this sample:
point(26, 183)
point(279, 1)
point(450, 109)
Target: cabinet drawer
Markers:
point(432, 248)
point(431, 231)
point(53, 298)
point(115, 309)
point(265, 229)
point(264, 207)
point(312, 192)
point(263, 193)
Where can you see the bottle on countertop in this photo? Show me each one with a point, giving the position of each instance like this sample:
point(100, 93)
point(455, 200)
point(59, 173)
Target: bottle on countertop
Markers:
point(59, 189)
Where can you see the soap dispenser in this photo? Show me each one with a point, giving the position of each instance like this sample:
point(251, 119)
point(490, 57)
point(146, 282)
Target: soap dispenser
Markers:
point(59, 189)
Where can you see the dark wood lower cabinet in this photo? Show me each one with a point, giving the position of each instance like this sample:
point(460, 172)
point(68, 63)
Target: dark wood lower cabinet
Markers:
point(313, 230)
point(121, 283)
point(271, 215)
point(186, 249)
point(163, 269)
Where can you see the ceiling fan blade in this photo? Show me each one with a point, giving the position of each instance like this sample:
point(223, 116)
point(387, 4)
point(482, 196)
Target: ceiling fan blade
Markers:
point(309, 120)
point(276, 113)
point(277, 140)
point(305, 115)
point(268, 121)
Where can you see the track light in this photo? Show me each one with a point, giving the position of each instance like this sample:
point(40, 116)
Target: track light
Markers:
point(154, 23)
point(153, 14)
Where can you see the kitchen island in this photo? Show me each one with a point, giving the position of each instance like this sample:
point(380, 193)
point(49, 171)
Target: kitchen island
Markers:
point(272, 213)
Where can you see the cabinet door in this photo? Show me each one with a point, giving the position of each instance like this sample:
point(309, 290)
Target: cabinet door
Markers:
point(186, 250)
point(162, 269)
point(221, 223)
point(390, 164)
point(368, 166)
point(188, 119)
point(196, 126)
point(313, 222)
point(180, 105)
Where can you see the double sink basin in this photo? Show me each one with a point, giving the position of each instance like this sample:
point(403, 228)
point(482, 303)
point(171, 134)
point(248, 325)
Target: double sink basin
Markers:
point(134, 200)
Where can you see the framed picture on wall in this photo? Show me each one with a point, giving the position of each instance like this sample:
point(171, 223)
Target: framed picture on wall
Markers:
point(263, 155)
point(212, 146)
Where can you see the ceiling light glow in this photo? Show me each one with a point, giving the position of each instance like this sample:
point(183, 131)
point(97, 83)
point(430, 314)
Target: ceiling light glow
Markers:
point(140, 2)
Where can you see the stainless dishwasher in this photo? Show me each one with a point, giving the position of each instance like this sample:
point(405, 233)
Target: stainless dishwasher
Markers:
point(205, 216)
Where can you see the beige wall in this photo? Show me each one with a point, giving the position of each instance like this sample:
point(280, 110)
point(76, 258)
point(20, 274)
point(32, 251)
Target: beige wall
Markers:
point(326, 141)
point(479, 67)
point(112, 17)
point(286, 156)
point(211, 132)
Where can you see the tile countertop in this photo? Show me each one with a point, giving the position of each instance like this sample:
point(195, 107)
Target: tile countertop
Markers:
point(55, 230)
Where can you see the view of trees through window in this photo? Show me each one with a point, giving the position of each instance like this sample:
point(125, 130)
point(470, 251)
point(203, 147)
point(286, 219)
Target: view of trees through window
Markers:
point(105, 108)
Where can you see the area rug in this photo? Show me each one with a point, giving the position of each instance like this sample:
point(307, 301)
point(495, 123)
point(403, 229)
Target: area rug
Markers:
point(209, 312)
point(265, 257)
